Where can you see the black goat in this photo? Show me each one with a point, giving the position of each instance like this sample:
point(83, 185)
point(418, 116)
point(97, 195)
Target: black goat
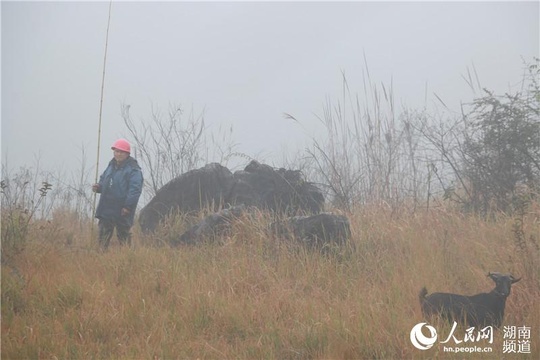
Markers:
point(479, 310)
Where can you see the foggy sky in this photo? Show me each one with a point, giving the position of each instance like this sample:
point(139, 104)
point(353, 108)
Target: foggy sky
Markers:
point(243, 63)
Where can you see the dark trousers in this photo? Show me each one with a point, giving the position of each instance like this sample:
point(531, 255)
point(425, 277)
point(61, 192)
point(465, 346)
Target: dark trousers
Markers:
point(106, 228)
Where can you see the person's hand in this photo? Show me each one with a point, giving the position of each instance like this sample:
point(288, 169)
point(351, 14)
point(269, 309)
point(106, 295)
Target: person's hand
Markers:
point(125, 212)
point(95, 188)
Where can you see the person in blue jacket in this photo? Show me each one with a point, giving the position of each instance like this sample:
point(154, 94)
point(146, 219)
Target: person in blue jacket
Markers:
point(120, 187)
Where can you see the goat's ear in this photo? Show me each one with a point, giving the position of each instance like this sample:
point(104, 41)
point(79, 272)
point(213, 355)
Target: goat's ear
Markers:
point(514, 280)
point(494, 275)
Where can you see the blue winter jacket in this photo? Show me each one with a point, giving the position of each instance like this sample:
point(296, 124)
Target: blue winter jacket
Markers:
point(120, 187)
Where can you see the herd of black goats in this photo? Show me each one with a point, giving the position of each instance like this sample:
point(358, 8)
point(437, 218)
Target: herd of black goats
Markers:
point(286, 193)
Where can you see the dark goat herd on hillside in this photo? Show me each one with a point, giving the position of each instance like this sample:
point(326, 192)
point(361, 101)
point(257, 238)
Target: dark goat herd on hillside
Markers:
point(295, 203)
point(298, 204)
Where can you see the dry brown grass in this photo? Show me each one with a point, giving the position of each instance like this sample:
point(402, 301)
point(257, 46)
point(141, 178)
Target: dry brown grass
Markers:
point(250, 297)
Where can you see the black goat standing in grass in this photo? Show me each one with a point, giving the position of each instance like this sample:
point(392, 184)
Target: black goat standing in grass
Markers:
point(479, 310)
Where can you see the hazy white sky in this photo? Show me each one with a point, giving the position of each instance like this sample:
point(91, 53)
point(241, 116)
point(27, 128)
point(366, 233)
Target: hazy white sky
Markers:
point(244, 63)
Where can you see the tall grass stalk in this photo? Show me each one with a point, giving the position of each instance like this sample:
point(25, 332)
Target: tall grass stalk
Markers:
point(370, 151)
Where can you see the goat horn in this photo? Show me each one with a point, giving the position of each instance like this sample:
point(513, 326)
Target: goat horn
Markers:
point(514, 280)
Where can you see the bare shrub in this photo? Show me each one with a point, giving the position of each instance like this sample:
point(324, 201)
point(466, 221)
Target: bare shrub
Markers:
point(171, 143)
point(501, 149)
point(22, 202)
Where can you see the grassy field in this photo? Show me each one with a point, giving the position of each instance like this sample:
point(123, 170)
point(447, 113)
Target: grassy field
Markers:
point(252, 297)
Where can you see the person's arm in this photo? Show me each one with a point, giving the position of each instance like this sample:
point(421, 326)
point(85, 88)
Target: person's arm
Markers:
point(99, 185)
point(134, 191)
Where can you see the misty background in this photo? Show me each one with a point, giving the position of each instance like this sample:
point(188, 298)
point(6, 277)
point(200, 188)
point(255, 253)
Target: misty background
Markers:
point(262, 75)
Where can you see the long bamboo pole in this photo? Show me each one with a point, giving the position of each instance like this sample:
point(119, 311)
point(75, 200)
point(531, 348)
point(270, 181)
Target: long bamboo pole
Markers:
point(101, 111)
